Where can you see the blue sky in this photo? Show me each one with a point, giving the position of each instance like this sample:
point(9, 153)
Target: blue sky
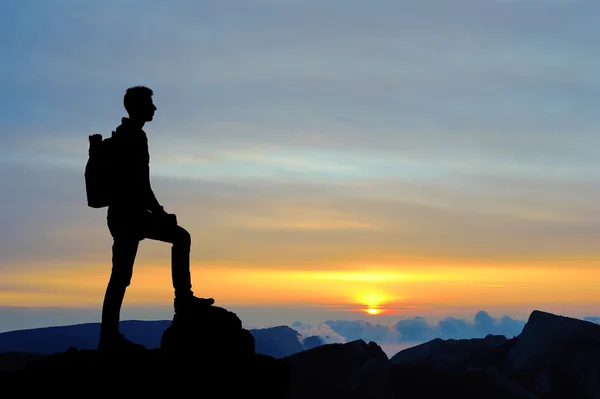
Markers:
point(446, 129)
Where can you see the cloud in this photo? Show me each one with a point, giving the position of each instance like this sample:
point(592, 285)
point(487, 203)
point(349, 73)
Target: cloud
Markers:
point(45, 218)
point(413, 330)
point(462, 83)
point(360, 329)
point(456, 328)
point(340, 331)
point(408, 331)
point(418, 329)
point(322, 330)
point(483, 322)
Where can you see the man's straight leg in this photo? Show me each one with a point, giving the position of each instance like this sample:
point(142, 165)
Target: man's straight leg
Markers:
point(123, 257)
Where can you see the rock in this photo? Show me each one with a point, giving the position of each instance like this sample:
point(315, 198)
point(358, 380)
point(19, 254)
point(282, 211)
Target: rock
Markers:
point(211, 332)
point(544, 334)
point(74, 373)
point(352, 370)
point(423, 384)
point(553, 357)
point(506, 385)
point(556, 356)
point(214, 336)
point(10, 361)
point(575, 372)
point(449, 364)
point(452, 354)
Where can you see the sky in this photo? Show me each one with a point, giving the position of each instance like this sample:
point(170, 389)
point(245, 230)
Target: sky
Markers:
point(332, 160)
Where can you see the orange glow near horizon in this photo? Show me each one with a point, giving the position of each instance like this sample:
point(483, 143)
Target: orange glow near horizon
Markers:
point(385, 291)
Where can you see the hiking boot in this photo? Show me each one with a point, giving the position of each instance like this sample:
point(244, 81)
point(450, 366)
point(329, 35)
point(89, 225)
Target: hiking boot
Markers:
point(118, 343)
point(191, 302)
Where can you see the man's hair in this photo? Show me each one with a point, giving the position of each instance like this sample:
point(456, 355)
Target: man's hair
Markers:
point(135, 95)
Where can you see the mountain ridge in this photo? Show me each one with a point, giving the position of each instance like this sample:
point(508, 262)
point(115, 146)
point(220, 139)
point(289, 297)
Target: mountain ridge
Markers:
point(278, 341)
point(555, 357)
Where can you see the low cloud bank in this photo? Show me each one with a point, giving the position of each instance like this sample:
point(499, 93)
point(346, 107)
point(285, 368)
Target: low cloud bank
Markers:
point(417, 329)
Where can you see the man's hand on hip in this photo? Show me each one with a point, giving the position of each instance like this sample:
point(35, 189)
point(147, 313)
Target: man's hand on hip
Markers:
point(169, 218)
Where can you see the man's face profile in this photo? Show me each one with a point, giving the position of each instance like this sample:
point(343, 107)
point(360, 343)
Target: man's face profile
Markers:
point(148, 109)
point(145, 109)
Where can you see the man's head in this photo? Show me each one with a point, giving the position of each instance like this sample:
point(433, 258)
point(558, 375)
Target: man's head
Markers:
point(138, 103)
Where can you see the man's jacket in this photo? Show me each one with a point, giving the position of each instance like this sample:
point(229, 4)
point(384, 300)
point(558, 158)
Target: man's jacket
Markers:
point(131, 191)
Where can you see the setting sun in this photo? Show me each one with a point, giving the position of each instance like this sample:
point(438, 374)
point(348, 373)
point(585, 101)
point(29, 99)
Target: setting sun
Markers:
point(372, 302)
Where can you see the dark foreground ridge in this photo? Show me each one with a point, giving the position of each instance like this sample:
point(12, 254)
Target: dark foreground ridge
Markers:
point(554, 357)
point(205, 354)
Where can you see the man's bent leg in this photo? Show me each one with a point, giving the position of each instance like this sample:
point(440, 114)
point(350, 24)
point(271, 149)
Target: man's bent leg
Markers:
point(180, 266)
point(180, 262)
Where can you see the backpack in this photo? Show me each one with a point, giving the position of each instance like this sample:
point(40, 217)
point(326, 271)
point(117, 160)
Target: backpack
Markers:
point(98, 172)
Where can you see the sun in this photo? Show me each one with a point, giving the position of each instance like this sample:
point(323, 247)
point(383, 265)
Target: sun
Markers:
point(372, 302)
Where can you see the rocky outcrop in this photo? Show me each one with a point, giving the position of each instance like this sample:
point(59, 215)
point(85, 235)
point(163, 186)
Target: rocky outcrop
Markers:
point(557, 355)
point(543, 336)
point(466, 367)
point(351, 371)
point(553, 357)
point(210, 332)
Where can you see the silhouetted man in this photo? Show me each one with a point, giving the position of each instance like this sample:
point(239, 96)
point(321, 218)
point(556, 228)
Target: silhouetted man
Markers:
point(135, 214)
